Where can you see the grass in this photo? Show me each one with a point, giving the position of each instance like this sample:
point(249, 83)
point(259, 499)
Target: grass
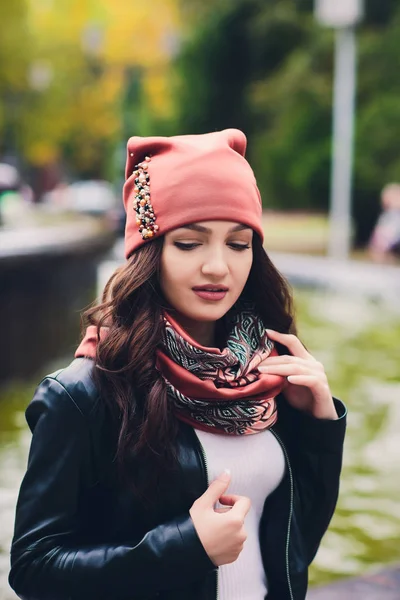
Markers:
point(295, 232)
point(304, 233)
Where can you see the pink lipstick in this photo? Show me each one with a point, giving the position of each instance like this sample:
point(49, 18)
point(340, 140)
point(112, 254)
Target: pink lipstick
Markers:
point(211, 292)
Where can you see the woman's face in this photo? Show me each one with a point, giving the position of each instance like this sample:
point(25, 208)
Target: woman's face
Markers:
point(204, 268)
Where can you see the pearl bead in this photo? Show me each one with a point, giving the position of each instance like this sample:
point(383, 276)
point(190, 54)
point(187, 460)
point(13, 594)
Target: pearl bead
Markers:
point(145, 217)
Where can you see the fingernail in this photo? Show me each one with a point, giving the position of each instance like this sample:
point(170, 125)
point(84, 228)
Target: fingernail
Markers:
point(263, 369)
point(226, 475)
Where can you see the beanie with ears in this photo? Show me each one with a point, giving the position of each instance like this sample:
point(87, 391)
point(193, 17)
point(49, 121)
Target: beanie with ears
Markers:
point(176, 181)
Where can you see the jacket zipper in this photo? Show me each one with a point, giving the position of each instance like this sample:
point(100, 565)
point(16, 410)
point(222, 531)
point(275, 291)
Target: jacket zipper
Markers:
point(290, 511)
point(206, 471)
point(203, 454)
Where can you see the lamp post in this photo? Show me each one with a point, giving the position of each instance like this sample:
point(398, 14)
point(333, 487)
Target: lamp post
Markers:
point(343, 16)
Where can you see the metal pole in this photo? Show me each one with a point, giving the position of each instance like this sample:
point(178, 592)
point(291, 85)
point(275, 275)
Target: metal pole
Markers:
point(343, 133)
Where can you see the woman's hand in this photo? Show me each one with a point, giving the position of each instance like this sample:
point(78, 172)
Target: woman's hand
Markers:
point(221, 530)
point(307, 386)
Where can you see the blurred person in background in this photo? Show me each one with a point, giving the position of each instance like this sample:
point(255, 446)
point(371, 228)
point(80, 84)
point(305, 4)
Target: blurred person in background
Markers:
point(193, 448)
point(385, 240)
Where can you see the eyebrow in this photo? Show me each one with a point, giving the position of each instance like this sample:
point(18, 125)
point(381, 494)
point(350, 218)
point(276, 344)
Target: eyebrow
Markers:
point(202, 229)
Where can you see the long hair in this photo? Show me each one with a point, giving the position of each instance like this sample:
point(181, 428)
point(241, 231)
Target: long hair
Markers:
point(126, 375)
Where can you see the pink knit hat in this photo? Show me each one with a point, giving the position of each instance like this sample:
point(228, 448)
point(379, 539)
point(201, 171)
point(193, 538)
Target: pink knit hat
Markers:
point(175, 181)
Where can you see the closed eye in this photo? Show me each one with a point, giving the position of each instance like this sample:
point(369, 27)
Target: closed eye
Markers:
point(239, 247)
point(186, 245)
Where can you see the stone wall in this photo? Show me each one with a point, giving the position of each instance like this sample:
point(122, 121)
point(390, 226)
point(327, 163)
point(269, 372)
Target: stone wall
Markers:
point(41, 296)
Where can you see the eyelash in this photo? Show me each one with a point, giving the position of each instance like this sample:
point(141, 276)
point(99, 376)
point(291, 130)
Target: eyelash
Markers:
point(192, 246)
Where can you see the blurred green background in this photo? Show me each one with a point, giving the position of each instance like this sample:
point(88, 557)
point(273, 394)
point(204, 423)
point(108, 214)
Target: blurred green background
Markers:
point(78, 77)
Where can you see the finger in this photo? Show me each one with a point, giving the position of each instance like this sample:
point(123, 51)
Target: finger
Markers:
point(216, 489)
point(289, 360)
point(284, 358)
point(229, 499)
point(286, 370)
point(222, 510)
point(310, 381)
point(241, 507)
point(292, 342)
point(308, 363)
point(320, 389)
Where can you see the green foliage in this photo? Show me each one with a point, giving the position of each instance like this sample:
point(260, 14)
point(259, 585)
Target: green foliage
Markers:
point(267, 68)
point(214, 64)
point(79, 76)
point(13, 51)
point(14, 57)
point(379, 12)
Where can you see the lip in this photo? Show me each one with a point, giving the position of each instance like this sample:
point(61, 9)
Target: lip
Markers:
point(213, 293)
point(211, 286)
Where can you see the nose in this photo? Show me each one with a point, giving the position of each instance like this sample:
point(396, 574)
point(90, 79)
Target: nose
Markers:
point(215, 264)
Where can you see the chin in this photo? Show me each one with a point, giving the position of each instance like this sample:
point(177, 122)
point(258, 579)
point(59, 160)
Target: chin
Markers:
point(206, 313)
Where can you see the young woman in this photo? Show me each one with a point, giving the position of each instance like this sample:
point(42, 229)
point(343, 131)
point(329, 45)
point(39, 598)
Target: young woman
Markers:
point(192, 450)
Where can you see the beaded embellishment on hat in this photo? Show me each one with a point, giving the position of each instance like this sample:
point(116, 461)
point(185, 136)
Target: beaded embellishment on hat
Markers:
point(145, 217)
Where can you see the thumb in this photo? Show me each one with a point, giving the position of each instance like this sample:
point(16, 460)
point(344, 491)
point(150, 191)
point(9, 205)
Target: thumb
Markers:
point(216, 489)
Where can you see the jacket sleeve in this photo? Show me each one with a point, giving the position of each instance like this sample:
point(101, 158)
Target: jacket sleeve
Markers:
point(316, 452)
point(46, 563)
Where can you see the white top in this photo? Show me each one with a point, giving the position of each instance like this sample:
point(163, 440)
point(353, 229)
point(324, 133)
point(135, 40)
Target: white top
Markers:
point(257, 466)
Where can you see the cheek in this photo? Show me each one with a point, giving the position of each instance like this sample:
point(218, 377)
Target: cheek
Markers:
point(166, 275)
point(175, 273)
point(243, 267)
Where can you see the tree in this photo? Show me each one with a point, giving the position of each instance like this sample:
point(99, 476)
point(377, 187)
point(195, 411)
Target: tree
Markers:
point(14, 60)
point(267, 68)
point(72, 80)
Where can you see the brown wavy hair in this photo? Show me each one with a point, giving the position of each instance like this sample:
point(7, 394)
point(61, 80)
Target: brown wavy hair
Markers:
point(134, 391)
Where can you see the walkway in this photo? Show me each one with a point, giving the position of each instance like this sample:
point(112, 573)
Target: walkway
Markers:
point(355, 278)
point(54, 239)
point(379, 586)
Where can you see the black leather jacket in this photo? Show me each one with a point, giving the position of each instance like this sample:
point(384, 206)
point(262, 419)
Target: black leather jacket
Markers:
point(81, 535)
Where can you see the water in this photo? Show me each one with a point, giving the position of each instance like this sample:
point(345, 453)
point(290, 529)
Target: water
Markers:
point(358, 343)
point(359, 346)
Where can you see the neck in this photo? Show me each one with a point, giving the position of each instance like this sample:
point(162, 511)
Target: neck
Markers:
point(202, 332)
